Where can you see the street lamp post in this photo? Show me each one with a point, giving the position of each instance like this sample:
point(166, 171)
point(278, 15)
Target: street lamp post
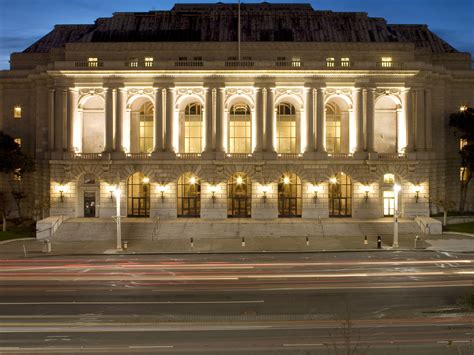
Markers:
point(396, 190)
point(119, 225)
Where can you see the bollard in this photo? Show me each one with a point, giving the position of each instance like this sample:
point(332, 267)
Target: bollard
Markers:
point(125, 245)
point(418, 242)
point(379, 242)
point(243, 241)
point(307, 240)
point(365, 240)
point(47, 246)
point(191, 241)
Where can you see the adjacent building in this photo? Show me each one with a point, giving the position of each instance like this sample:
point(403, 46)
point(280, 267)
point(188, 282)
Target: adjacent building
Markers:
point(193, 112)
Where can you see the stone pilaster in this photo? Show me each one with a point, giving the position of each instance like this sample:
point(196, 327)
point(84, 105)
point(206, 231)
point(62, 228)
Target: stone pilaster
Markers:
point(309, 106)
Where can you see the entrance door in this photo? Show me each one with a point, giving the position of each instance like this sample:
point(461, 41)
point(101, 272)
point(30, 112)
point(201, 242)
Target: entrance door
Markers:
point(89, 204)
point(388, 203)
point(239, 190)
point(289, 196)
point(340, 196)
point(138, 195)
point(189, 196)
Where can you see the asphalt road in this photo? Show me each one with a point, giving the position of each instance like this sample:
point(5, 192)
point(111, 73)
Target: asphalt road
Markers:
point(384, 303)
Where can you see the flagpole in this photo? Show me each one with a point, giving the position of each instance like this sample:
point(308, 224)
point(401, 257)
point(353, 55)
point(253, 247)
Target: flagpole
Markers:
point(238, 30)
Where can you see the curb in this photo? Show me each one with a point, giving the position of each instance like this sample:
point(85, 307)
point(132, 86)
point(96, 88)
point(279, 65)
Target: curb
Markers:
point(459, 233)
point(15, 240)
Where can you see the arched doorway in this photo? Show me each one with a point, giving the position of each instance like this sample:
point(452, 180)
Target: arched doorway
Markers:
point(340, 196)
point(88, 195)
point(239, 196)
point(189, 196)
point(138, 195)
point(289, 195)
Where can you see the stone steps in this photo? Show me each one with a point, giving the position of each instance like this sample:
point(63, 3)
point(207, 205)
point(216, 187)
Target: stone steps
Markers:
point(105, 229)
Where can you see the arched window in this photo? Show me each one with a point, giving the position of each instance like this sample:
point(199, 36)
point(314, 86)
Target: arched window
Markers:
point(239, 196)
point(240, 129)
point(138, 195)
point(140, 126)
point(333, 129)
point(340, 195)
point(189, 196)
point(385, 125)
point(92, 137)
point(146, 128)
point(289, 196)
point(286, 129)
point(192, 128)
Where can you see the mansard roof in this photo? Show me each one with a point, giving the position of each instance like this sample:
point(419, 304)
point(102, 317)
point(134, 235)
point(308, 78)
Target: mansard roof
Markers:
point(262, 22)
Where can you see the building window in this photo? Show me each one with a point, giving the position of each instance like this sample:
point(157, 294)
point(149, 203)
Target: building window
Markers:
point(333, 130)
point(296, 62)
point(462, 143)
point(286, 128)
point(345, 62)
point(387, 62)
point(189, 195)
point(17, 141)
point(389, 179)
point(193, 128)
point(463, 174)
point(134, 63)
point(93, 62)
point(148, 61)
point(17, 112)
point(146, 128)
point(330, 62)
point(289, 196)
point(240, 129)
point(182, 59)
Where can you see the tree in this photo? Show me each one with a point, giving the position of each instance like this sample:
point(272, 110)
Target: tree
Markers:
point(446, 205)
point(463, 122)
point(4, 210)
point(15, 164)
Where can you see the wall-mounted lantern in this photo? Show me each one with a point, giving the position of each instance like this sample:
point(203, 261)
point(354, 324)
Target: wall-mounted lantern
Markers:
point(111, 189)
point(316, 189)
point(265, 189)
point(61, 190)
point(162, 189)
point(333, 180)
point(366, 189)
point(417, 189)
point(213, 189)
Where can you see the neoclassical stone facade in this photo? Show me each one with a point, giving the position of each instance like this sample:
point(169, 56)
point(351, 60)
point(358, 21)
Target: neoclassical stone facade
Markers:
point(306, 128)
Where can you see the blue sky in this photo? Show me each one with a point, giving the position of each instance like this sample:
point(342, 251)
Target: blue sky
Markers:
point(24, 21)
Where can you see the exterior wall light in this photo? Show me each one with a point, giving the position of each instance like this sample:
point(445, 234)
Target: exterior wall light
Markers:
point(213, 189)
point(463, 108)
point(239, 180)
point(61, 190)
point(111, 189)
point(366, 189)
point(333, 180)
point(146, 180)
point(162, 189)
point(192, 180)
point(417, 189)
point(316, 189)
point(286, 180)
point(265, 189)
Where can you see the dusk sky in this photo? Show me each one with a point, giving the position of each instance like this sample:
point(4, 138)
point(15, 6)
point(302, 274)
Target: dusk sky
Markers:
point(22, 22)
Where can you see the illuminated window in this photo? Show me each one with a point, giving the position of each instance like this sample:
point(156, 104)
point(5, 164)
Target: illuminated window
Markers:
point(17, 175)
point(463, 174)
point(93, 62)
point(286, 129)
point(388, 203)
point(333, 130)
point(345, 62)
point(240, 129)
point(389, 179)
point(330, 62)
point(148, 61)
point(296, 62)
point(462, 143)
point(134, 63)
point(18, 141)
point(146, 128)
point(183, 59)
point(193, 128)
point(17, 112)
point(387, 62)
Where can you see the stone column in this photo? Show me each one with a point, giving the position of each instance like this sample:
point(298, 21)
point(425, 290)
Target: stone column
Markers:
point(208, 119)
point(59, 118)
point(428, 118)
point(320, 121)
point(109, 120)
point(259, 120)
point(72, 95)
point(119, 113)
point(310, 148)
point(420, 119)
point(170, 93)
point(158, 119)
point(370, 119)
point(270, 120)
point(408, 113)
point(220, 97)
point(51, 119)
point(359, 118)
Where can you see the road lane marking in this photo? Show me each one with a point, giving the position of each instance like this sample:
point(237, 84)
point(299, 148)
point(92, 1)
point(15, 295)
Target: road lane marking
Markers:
point(151, 347)
point(59, 290)
point(127, 302)
point(298, 345)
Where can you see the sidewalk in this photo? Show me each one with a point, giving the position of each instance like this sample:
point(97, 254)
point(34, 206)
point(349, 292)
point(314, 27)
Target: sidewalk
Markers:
point(33, 248)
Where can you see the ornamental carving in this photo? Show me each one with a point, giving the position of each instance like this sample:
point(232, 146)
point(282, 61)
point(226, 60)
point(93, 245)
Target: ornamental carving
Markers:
point(298, 92)
point(247, 92)
point(180, 92)
point(139, 91)
point(386, 91)
point(338, 91)
point(91, 92)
